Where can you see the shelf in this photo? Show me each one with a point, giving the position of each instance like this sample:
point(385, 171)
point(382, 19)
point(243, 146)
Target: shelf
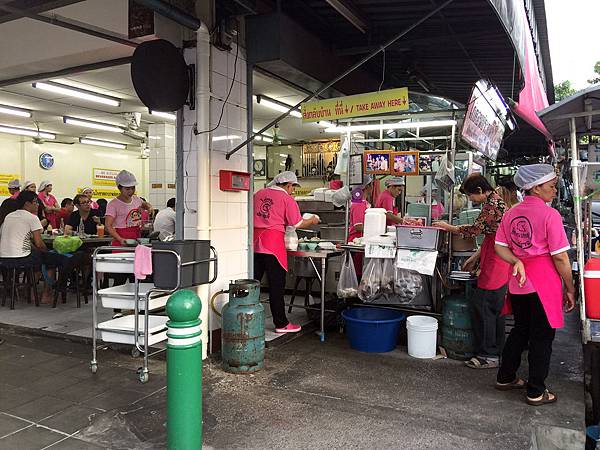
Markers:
point(120, 330)
point(115, 262)
point(123, 297)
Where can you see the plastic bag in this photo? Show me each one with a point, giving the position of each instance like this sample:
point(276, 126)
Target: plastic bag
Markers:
point(408, 284)
point(291, 239)
point(387, 279)
point(348, 284)
point(370, 285)
point(66, 244)
point(445, 177)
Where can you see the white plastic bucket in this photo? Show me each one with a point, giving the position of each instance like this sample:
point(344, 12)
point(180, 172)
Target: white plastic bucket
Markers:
point(422, 336)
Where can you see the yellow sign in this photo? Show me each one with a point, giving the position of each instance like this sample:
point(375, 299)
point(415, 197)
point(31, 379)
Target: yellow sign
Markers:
point(102, 193)
point(104, 177)
point(6, 177)
point(4, 191)
point(358, 105)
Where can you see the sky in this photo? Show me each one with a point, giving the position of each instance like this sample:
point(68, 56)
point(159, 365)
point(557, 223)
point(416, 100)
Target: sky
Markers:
point(574, 40)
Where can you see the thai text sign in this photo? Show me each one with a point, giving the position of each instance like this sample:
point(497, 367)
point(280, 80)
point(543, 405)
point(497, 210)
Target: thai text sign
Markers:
point(102, 193)
point(356, 105)
point(6, 177)
point(104, 177)
point(483, 126)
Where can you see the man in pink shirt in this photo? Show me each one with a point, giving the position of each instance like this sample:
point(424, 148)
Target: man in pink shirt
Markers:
point(275, 209)
point(531, 238)
point(387, 200)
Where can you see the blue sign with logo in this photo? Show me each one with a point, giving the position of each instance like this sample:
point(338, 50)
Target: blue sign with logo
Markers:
point(46, 161)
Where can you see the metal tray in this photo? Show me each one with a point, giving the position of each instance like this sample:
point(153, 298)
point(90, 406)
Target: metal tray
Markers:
point(420, 238)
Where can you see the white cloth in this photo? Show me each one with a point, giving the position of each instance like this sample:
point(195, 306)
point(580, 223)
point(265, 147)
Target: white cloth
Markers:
point(528, 177)
point(15, 236)
point(165, 221)
point(284, 177)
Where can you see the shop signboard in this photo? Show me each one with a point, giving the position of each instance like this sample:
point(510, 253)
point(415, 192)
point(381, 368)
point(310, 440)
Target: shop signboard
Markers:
point(484, 123)
point(5, 178)
point(101, 193)
point(391, 100)
point(104, 177)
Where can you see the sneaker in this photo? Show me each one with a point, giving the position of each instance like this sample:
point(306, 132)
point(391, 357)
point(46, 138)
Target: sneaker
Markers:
point(289, 328)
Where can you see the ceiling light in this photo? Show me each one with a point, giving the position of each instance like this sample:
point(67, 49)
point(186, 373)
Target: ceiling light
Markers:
point(164, 115)
point(392, 126)
point(102, 143)
point(26, 132)
point(14, 111)
point(225, 138)
point(277, 105)
point(91, 124)
point(71, 91)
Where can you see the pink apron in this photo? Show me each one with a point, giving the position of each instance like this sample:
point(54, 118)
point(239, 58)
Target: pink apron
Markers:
point(271, 242)
point(542, 273)
point(495, 272)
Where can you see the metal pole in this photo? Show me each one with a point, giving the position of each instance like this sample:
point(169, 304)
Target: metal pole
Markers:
point(249, 121)
point(179, 177)
point(349, 202)
point(342, 75)
point(450, 156)
point(184, 372)
point(578, 224)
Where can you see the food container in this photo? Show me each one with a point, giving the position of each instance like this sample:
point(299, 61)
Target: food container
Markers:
point(319, 194)
point(421, 238)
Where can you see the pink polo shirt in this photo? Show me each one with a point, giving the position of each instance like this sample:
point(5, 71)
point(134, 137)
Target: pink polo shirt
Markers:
point(387, 201)
point(274, 209)
point(357, 217)
point(531, 228)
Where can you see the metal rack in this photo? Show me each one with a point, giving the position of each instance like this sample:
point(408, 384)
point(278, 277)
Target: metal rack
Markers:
point(132, 296)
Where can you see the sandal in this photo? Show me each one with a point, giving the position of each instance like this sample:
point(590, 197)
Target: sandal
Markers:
point(481, 363)
point(518, 383)
point(545, 398)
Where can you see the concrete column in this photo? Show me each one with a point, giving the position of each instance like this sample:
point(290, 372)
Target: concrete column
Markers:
point(162, 163)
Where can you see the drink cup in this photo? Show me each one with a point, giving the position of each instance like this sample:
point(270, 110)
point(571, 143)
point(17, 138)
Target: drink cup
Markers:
point(100, 230)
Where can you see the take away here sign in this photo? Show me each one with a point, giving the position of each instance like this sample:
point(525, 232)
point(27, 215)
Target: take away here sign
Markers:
point(359, 105)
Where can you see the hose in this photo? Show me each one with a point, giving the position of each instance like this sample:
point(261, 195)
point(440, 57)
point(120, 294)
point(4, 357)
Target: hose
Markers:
point(212, 301)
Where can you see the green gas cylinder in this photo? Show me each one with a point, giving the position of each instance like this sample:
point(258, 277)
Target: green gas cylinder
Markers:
point(243, 328)
point(457, 329)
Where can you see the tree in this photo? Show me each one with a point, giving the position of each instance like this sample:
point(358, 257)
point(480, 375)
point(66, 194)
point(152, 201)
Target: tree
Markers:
point(563, 90)
point(597, 72)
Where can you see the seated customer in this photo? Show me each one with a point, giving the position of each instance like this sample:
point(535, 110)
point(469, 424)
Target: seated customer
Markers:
point(165, 219)
point(84, 214)
point(21, 238)
point(66, 209)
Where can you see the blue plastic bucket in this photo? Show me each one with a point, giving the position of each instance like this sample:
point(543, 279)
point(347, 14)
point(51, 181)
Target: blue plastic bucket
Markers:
point(593, 432)
point(372, 330)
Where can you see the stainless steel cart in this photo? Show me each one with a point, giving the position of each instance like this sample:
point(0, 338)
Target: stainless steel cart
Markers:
point(142, 298)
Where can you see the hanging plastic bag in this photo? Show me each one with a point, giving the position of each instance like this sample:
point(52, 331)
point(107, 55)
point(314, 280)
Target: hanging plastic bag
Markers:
point(291, 239)
point(388, 276)
point(370, 285)
point(348, 284)
point(445, 177)
point(408, 284)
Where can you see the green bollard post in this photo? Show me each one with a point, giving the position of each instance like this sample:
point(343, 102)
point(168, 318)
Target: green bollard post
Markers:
point(184, 372)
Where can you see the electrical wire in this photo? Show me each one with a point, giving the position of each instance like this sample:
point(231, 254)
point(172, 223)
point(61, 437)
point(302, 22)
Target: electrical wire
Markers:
point(383, 71)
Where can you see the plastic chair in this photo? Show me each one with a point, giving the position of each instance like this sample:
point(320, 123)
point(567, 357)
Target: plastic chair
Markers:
point(11, 268)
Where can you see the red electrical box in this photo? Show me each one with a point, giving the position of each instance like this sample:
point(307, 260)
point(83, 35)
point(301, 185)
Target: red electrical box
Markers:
point(232, 181)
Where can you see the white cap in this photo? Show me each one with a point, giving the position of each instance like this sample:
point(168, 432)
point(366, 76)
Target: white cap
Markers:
point(43, 185)
point(425, 188)
point(285, 177)
point(394, 181)
point(14, 184)
point(27, 184)
point(126, 179)
point(87, 188)
point(528, 177)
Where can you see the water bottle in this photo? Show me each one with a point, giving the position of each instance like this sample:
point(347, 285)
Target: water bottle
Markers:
point(81, 229)
point(62, 226)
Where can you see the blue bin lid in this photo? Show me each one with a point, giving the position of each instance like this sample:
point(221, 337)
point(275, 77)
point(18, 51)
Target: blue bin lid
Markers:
point(373, 315)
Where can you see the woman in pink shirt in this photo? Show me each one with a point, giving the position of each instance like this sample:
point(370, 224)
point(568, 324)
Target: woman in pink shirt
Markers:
point(387, 200)
point(50, 204)
point(275, 209)
point(358, 209)
point(89, 193)
point(531, 238)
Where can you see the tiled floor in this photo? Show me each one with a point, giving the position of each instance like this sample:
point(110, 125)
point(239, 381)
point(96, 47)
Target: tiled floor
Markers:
point(70, 320)
point(47, 399)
